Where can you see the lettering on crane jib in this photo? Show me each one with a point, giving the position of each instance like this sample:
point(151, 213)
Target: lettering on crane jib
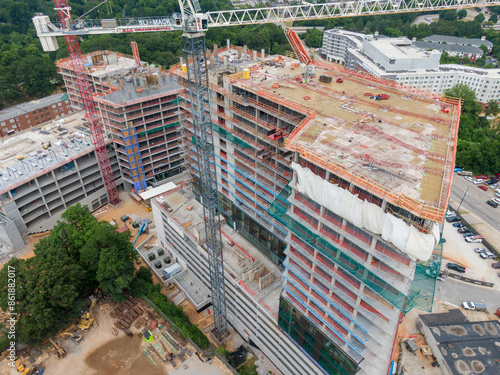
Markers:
point(154, 22)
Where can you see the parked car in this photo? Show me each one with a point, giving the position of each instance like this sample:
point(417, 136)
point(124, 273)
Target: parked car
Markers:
point(494, 179)
point(456, 267)
point(482, 187)
point(496, 200)
point(458, 225)
point(468, 305)
point(452, 219)
point(469, 178)
point(458, 166)
point(441, 277)
point(480, 250)
point(468, 234)
point(494, 186)
point(482, 177)
point(478, 181)
point(487, 255)
point(492, 204)
point(463, 229)
point(495, 265)
point(473, 240)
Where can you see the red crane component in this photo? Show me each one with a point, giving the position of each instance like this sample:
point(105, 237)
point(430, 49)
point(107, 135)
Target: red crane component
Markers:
point(135, 51)
point(298, 47)
point(63, 12)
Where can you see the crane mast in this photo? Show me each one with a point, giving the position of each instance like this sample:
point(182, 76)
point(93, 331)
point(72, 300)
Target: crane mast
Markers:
point(197, 75)
point(193, 23)
point(83, 84)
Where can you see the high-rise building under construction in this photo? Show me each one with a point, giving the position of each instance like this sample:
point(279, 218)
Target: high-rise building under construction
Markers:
point(342, 182)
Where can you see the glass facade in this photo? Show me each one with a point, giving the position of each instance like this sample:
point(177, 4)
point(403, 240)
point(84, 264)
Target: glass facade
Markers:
point(314, 342)
point(268, 244)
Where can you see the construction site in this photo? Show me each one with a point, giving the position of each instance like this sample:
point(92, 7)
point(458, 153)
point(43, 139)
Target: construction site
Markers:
point(296, 206)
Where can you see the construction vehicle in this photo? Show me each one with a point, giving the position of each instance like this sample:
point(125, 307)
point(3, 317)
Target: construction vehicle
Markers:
point(139, 233)
point(76, 338)
point(21, 368)
point(87, 318)
point(146, 206)
point(58, 349)
point(192, 22)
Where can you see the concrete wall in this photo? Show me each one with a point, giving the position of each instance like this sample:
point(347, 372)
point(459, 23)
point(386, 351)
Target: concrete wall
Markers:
point(247, 317)
point(9, 234)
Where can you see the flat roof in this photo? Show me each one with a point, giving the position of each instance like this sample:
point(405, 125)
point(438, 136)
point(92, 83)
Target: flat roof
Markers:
point(470, 348)
point(123, 64)
point(241, 258)
point(69, 138)
point(402, 147)
point(129, 94)
point(24, 108)
point(148, 194)
point(397, 48)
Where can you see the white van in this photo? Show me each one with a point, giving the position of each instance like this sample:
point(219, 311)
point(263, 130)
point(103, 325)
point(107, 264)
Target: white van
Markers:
point(464, 173)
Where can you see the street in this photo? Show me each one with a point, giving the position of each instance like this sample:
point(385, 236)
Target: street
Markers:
point(475, 201)
point(456, 292)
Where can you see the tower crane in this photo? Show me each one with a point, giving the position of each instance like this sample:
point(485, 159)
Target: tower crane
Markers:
point(192, 22)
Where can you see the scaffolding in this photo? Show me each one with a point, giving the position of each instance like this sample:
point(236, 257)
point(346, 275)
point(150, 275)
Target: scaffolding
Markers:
point(421, 291)
point(134, 158)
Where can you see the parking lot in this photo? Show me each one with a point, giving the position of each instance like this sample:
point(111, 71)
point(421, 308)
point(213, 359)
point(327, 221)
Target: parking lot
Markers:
point(455, 249)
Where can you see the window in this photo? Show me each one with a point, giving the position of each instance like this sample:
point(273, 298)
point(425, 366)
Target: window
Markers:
point(11, 121)
point(53, 106)
point(59, 104)
point(36, 118)
point(14, 126)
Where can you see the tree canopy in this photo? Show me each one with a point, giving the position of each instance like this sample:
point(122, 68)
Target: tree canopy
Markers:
point(79, 255)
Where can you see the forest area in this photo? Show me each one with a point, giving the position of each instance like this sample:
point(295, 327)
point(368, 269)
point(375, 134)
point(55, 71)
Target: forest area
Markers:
point(26, 72)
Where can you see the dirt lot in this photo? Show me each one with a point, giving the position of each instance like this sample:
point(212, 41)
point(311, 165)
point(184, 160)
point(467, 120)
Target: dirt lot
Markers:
point(103, 353)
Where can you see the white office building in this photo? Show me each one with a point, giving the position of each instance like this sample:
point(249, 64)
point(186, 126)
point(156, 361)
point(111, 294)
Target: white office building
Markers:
point(401, 60)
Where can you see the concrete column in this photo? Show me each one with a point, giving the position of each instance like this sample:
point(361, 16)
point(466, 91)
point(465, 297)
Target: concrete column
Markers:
point(228, 43)
point(262, 53)
point(216, 50)
point(254, 55)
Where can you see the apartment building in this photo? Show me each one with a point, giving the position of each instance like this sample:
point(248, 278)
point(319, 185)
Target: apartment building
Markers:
point(410, 63)
point(45, 171)
point(138, 106)
point(31, 114)
point(342, 192)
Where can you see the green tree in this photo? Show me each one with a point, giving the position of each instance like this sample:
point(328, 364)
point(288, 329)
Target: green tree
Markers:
point(483, 48)
point(313, 38)
point(493, 108)
point(448, 15)
point(468, 96)
point(480, 18)
point(494, 18)
point(393, 33)
point(461, 14)
point(115, 268)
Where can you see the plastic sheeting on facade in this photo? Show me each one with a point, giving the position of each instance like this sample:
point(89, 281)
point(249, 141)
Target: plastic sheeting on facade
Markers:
point(363, 214)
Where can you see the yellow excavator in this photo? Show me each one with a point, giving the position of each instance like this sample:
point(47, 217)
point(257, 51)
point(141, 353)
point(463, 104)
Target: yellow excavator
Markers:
point(58, 349)
point(87, 318)
point(21, 368)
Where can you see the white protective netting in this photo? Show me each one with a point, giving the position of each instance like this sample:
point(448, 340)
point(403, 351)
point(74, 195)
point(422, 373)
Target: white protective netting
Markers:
point(366, 215)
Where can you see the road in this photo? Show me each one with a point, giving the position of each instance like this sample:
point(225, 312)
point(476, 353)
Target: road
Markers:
point(475, 201)
point(456, 292)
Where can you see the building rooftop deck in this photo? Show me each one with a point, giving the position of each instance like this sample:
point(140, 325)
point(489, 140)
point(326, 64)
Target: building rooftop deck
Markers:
point(129, 95)
point(23, 156)
point(241, 259)
point(404, 146)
